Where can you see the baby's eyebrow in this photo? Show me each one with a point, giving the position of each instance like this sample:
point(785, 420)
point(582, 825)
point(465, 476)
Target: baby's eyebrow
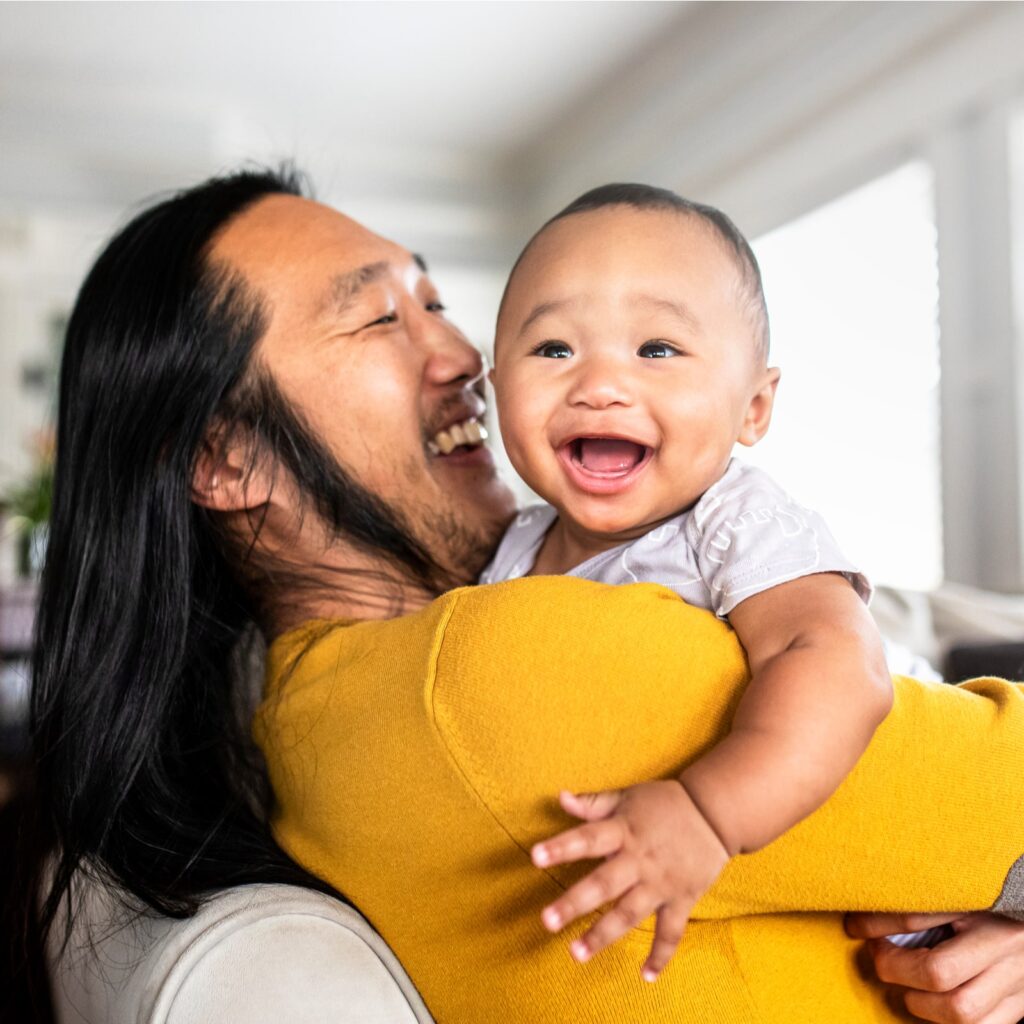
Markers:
point(542, 309)
point(674, 308)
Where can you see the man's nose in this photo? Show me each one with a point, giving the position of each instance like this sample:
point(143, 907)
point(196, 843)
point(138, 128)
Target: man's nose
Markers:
point(600, 383)
point(450, 357)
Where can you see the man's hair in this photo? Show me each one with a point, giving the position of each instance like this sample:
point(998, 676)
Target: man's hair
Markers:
point(649, 197)
point(145, 770)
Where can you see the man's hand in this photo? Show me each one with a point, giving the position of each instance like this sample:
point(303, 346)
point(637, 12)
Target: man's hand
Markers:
point(660, 856)
point(976, 977)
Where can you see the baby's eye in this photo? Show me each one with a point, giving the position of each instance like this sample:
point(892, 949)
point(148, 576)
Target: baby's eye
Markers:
point(553, 350)
point(657, 350)
point(437, 306)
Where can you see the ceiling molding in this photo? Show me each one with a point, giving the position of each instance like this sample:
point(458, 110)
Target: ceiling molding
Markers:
point(736, 83)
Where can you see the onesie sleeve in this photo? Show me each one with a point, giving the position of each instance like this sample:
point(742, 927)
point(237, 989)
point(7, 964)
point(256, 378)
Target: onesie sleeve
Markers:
point(749, 535)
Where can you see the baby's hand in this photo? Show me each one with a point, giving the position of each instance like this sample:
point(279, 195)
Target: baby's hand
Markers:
point(660, 856)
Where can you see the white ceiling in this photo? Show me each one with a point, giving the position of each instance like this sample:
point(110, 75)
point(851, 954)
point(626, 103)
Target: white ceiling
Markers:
point(469, 75)
point(95, 96)
point(458, 126)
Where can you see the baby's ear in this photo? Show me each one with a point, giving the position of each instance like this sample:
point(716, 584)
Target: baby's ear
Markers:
point(759, 412)
point(490, 374)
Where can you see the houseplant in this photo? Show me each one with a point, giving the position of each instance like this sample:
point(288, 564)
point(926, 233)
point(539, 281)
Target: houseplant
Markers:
point(28, 508)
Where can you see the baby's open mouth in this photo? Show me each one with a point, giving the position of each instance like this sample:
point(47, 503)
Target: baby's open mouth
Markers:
point(607, 457)
point(604, 465)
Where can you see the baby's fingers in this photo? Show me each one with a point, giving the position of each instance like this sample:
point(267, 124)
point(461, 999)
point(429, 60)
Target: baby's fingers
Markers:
point(601, 886)
point(637, 905)
point(595, 839)
point(672, 920)
point(590, 806)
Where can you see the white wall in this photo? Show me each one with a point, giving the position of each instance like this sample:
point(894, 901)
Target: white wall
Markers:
point(43, 258)
point(769, 110)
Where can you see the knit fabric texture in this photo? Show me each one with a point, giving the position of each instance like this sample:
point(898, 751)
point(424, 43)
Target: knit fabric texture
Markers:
point(416, 760)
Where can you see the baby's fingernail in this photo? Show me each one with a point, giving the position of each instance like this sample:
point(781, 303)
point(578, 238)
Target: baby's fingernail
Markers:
point(552, 919)
point(540, 856)
point(649, 975)
point(579, 951)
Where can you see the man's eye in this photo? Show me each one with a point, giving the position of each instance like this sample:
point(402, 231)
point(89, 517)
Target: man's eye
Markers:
point(657, 350)
point(387, 318)
point(553, 350)
point(436, 307)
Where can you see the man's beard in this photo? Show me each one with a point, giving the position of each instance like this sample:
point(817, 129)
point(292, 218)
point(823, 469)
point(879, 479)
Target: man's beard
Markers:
point(348, 510)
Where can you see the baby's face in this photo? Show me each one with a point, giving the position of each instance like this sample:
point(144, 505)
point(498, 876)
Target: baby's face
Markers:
point(626, 367)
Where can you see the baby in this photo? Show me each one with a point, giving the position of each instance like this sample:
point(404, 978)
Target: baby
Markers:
point(631, 356)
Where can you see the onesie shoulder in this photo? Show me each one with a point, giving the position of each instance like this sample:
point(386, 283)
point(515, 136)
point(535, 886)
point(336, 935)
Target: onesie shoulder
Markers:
point(519, 546)
point(741, 486)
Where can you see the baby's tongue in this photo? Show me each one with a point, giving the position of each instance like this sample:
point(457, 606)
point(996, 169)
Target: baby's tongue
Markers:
point(608, 455)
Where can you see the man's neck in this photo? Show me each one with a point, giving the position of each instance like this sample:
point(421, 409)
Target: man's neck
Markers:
point(341, 584)
point(391, 605)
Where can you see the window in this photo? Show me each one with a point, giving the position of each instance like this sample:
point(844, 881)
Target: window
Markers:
point(852, 292)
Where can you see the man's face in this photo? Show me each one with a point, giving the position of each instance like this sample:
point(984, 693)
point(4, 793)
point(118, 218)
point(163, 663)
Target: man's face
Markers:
point(626, 367)
point(359, 346)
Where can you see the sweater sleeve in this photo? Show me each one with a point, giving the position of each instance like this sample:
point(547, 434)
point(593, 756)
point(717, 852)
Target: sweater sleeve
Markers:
point(931, 819)
point(549, 683)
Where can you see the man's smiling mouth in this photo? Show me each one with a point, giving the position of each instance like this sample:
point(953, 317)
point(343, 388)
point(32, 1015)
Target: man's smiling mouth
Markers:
point(469, 433)
point(604, 465)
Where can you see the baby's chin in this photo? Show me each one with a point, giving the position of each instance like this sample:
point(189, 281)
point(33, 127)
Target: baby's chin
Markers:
point(607, 521)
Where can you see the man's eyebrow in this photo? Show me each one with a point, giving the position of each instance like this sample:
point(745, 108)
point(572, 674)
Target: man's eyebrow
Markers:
point(420, 262)
point(674, 308)
point(345, 287)
point(542, 309)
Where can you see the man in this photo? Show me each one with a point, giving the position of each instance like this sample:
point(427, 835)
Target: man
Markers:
point(294, 376)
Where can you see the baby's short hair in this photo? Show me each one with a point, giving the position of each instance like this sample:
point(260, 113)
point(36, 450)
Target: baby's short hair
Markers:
point(648, 197)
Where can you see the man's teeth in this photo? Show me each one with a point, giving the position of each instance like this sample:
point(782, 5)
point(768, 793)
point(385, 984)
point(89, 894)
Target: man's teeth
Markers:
point(468, 432)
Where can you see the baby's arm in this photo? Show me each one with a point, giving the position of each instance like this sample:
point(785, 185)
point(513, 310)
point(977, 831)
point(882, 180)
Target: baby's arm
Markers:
point(819, 688)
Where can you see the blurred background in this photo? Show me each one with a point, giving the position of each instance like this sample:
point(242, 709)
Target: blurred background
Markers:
point(873, 153)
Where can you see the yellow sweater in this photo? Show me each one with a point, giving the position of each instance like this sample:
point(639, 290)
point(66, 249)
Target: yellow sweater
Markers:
point(416, 760)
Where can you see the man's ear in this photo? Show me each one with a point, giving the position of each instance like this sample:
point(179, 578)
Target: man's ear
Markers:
point(227, 477)
point(490, 375)
point(759, 412)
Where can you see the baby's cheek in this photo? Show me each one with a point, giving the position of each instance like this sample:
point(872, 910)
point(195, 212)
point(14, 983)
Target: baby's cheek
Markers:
point(525, 408)
point(521, 426)
point(533, 459)
point(527, 453)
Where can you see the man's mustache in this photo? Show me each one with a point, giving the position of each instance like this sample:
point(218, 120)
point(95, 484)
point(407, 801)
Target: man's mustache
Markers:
point(456, 409)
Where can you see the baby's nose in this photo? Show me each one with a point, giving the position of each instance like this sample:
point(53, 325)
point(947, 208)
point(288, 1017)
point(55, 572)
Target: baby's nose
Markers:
point(600, 385)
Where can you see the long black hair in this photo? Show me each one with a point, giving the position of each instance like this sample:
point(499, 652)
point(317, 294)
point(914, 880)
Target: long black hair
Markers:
point(145, 773)
point(143, 684)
